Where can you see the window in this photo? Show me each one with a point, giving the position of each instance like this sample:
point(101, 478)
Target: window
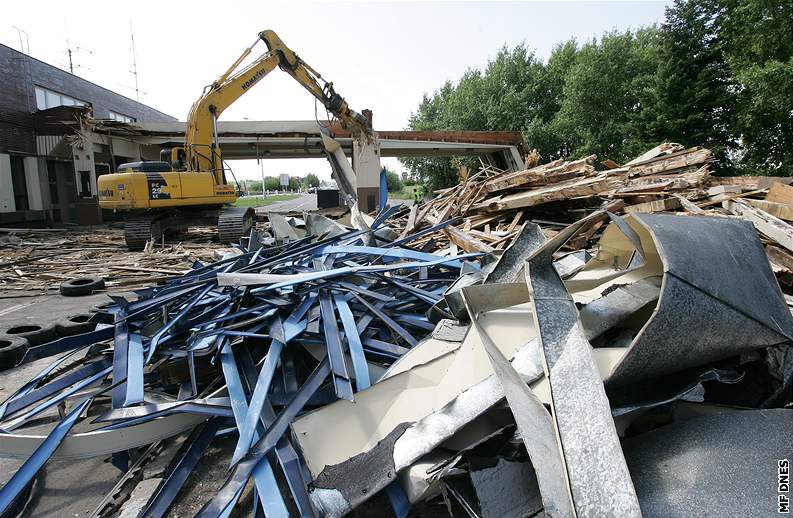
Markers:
point(19, 182)
point(121, 117)
point(49, 99)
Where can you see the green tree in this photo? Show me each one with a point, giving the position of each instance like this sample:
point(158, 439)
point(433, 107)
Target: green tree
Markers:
point(271, 183)
point(311, 180)
point(758, 38)
point(603, 95)
point(393, 182)
point(693, 102)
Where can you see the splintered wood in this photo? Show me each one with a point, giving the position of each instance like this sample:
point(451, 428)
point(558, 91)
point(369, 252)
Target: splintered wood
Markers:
point(487, 209)
point(38, 260)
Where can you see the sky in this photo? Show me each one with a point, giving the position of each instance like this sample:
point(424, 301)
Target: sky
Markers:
point(380, 55)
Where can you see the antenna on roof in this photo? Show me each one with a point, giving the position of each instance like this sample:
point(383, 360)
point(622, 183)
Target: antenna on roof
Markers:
point(134, 70)
point(70, 51)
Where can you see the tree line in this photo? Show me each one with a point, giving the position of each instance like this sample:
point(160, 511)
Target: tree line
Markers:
point(273, 183)
point(715, 73)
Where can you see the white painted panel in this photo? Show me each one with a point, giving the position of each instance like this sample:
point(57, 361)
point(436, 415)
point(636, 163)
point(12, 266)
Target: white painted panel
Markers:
point(33, 183)
point(6, 185)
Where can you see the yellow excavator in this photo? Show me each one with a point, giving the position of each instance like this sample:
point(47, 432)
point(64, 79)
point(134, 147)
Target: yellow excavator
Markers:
point(189, 185)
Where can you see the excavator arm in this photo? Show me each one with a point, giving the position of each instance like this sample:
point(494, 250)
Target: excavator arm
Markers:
point(202, 152)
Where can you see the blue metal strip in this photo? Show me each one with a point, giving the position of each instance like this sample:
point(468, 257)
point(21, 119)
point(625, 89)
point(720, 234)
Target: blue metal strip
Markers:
point(398, 499)
point(19, 403)
point(120, 357)
point(391, 253)
point(401, 331)
point(263, 476)
point(284, 451)
point(166, 493)
point(157, 337)
point(341, 379)
point(33, 464)
point(134, 393)
point(67, 343)
point(354, 342)
point(242, 471)
point(15, 423)
point(257, 399)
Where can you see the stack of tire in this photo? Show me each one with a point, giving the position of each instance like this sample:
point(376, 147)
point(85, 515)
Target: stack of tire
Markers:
point(17, 338)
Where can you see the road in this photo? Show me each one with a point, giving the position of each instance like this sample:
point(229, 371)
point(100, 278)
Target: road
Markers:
point(303, 202)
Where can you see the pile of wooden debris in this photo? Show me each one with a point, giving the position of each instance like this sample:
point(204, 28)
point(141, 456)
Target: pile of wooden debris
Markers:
point(487, 209)
point(38, 260)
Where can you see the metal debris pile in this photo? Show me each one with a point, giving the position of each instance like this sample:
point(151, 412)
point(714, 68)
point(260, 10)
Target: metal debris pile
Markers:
point(593, 364)
point(249, 341)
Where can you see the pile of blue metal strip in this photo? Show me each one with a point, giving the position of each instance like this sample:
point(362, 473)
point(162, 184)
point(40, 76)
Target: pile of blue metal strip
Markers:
point(242, 346)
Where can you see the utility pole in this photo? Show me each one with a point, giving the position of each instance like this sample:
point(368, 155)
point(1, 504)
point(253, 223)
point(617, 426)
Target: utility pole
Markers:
point(134, 61)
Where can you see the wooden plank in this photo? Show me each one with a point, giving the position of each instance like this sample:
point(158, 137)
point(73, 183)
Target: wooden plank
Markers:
point(566, 190)
point(465, 241)
point(662, 149)
point(655, 206)
point(688, 206)
point(750, 182)
point(689, 157)
point(542, 175)
point(728, 197)
point(779, 257)
point(780, 193)
point(770, 226)
point(780, 210)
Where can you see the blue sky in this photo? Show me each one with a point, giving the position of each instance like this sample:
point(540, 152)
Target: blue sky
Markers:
point(380, 55)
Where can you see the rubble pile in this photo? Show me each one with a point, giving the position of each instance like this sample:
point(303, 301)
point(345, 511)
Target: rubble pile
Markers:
point(485, 211)
point(565, 340)
point(38, 260)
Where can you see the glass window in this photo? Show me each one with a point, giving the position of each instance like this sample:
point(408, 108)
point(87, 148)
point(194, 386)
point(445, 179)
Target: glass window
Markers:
point(41, 98)
point(53, 99)
point(49, 99)
point(120, 117)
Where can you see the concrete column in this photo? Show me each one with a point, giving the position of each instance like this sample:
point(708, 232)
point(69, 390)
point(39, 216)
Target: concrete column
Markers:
point(366, 164)
point(6, 185)
point(35, 201)
point(84, 161)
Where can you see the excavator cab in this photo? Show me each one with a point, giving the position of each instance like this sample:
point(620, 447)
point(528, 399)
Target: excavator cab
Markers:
point(175, 157)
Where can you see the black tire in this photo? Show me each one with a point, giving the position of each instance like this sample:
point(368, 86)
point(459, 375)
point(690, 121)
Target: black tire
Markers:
point(81, 286)
point(35, 334)
point(75, 324)
point(12, 350)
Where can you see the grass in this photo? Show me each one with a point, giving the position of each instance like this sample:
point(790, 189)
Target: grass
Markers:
point(259, 201)
point(405, 194)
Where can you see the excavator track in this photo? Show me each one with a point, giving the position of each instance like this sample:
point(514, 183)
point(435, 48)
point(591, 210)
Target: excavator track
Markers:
point(234, 223)
point(139, 230)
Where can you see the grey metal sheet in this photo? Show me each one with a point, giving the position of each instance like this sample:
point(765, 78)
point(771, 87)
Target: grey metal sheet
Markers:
point(717, 465)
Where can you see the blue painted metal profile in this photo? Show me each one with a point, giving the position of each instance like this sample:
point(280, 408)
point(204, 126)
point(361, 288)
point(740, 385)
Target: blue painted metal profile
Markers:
point(258, 355)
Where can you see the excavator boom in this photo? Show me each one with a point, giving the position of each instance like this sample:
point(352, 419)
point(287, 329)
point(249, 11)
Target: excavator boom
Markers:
point(201, 146)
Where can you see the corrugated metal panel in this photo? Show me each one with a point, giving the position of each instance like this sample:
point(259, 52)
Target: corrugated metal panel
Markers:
point(46, 143)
